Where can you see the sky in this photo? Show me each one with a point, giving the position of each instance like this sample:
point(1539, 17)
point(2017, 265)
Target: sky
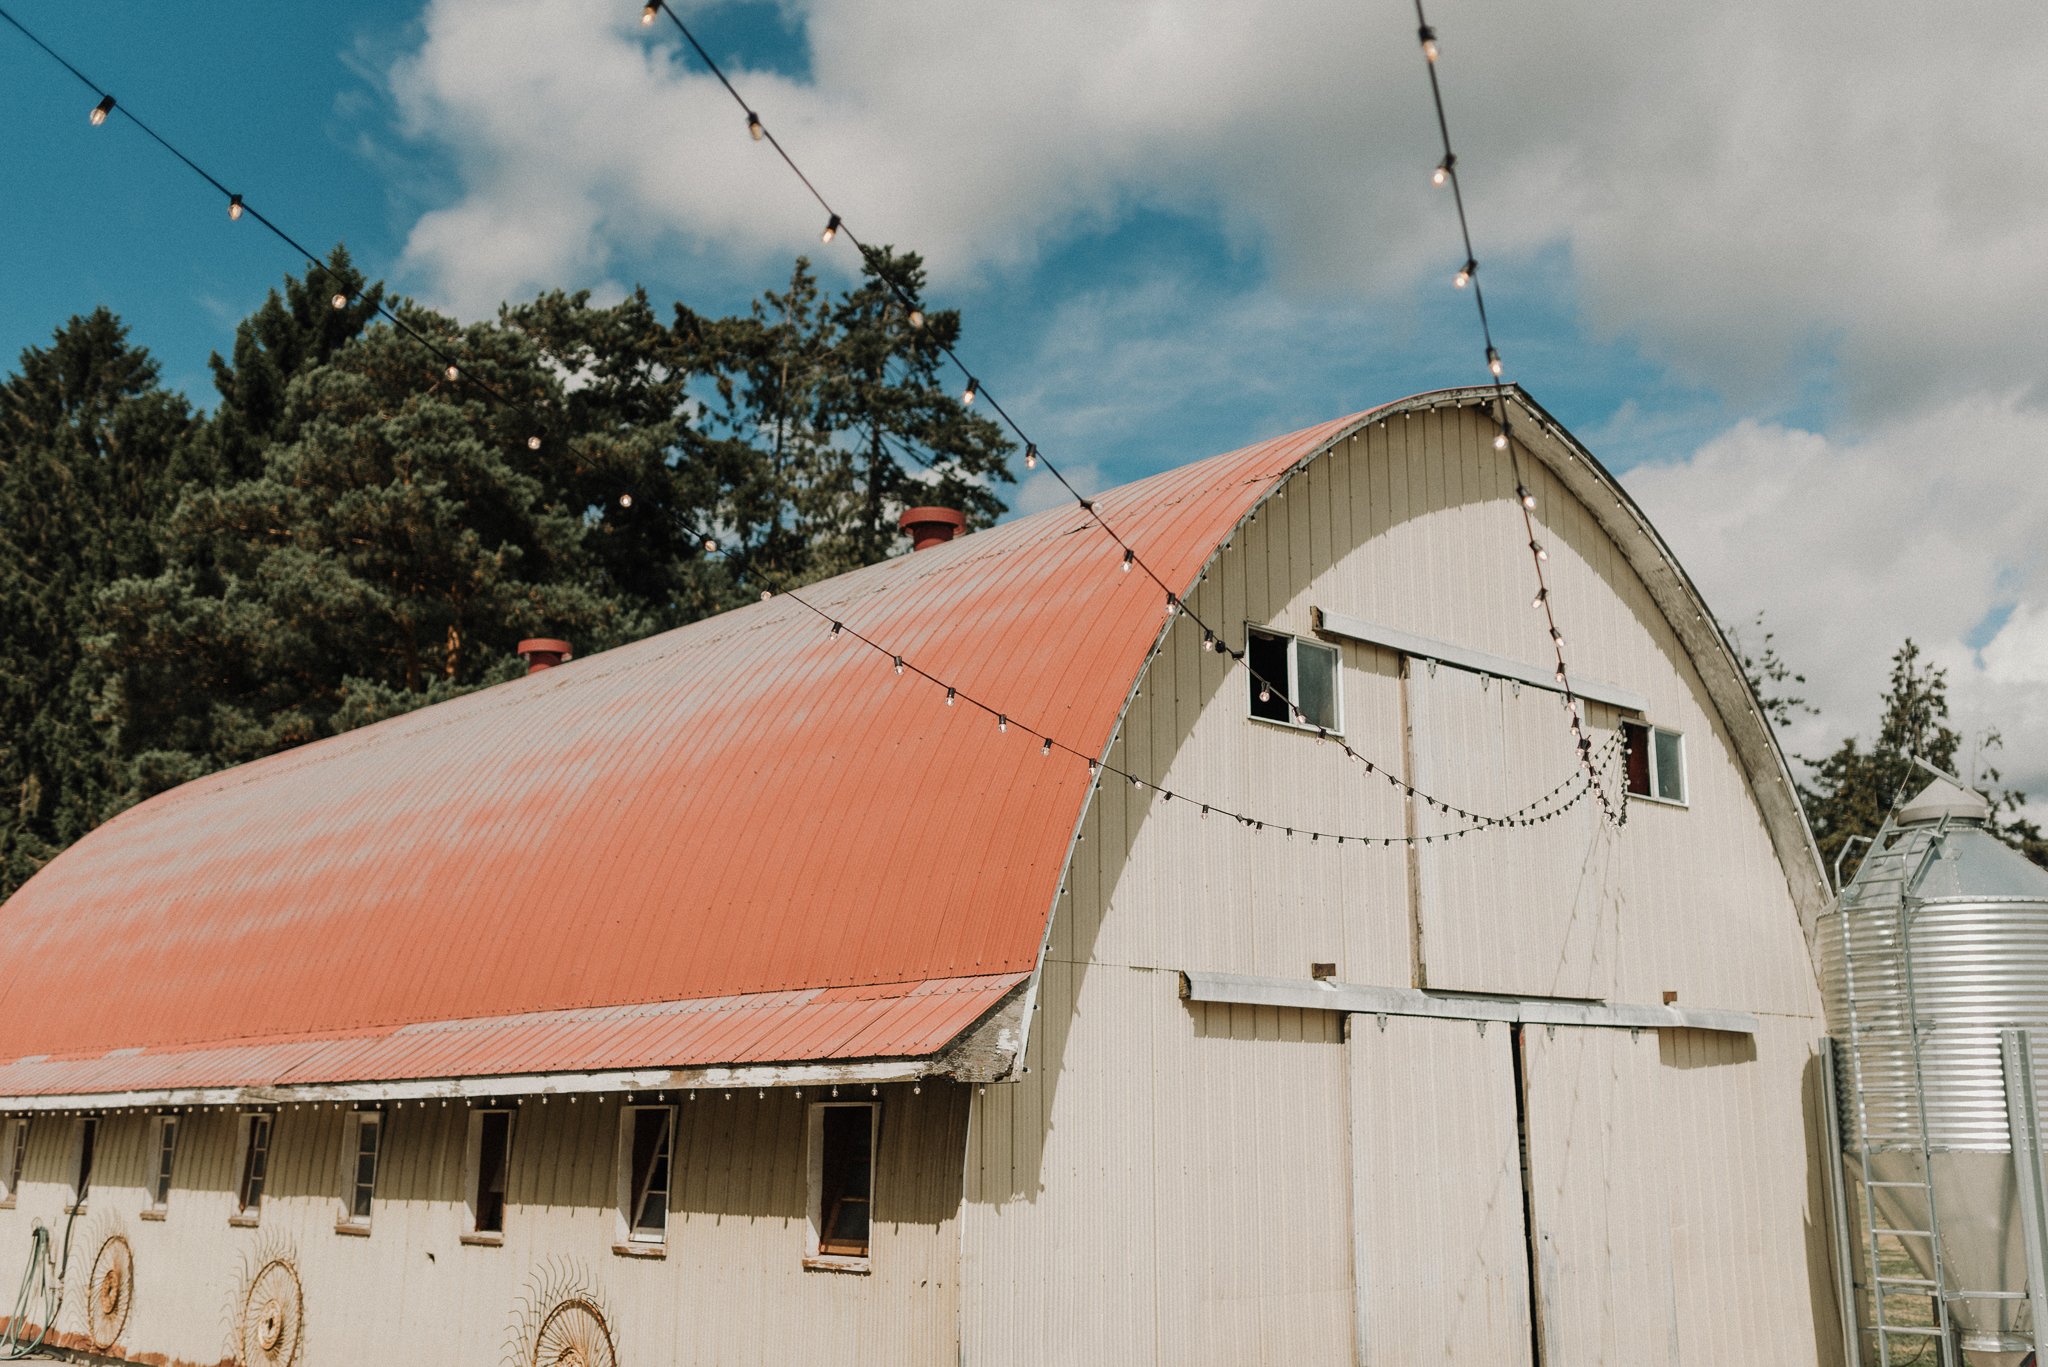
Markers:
point(1782, 272)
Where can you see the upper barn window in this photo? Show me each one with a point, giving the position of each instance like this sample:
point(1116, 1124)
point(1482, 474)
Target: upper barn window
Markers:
point(163, 1153)
point(842, 1182)
point(362, 1146)
point(1292, 681)
point(646, 1145)
point(81, 1177)
point(1656, 762)
point(490, 1165)
point(256, 1127)
point(13, 1157)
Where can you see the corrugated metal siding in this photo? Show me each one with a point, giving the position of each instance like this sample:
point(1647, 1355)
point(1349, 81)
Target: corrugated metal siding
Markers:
point(743, 805)
point(731, 1290)
point(1436, 1182)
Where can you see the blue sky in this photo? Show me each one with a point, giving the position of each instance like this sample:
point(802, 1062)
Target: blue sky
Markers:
point(1776, 269)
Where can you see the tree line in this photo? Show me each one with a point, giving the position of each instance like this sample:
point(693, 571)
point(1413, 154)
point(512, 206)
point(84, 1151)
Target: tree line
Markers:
point(350, 533)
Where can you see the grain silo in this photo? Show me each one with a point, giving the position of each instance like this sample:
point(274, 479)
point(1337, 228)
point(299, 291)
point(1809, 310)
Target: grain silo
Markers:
point(1935, 967)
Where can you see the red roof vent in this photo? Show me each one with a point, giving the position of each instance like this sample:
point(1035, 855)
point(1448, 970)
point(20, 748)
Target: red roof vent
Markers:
point(544, 652)
point(927, 527)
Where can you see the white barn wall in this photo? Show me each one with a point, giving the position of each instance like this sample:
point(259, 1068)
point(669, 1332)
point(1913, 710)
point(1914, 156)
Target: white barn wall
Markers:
point(1411, 524)
point(731, 1288)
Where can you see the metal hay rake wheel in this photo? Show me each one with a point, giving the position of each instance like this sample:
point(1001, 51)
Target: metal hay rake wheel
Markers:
point(574, 1334)
point(110, 1295)
point(273, 1324)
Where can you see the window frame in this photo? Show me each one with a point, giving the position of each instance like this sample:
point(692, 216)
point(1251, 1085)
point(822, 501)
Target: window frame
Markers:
point(162, 1166)
point(814, 1215)
point(248, 1171)
point(630, 1237)
point(1653, 768)
point(14, 1157)
point(472, 1232)
point(84, 1156)
point(352, 1126)
point(1292, 686)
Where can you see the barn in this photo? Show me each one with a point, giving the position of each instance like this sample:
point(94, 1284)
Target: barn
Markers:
point(964, 963)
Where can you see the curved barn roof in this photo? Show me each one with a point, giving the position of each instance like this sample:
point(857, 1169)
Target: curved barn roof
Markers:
point(742, 842)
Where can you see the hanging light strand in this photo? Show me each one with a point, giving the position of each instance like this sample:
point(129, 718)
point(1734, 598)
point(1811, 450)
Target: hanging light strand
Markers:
point(977, 390)
point(1467, 277)
point(239, 207)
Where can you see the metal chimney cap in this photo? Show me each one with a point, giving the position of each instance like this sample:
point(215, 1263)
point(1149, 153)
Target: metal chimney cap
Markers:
point(543, 652)
point(928, 527)
point(1942, 798)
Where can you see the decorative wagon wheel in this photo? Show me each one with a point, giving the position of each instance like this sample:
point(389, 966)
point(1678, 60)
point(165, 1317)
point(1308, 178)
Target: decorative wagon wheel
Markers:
point(110, 1293)
point(574, 1334)
point(273, 1324)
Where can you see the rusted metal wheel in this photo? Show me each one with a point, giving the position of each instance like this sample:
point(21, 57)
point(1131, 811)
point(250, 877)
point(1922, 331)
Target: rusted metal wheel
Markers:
point(574, 1334)
point(273, 1324)
point(111, 1292)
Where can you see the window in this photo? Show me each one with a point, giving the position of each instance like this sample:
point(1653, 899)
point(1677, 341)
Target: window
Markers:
point(88, 1139)
point(165, 1149)
point(1656, 762)
point(842, 1180)
point(646, 1144)
point(256, 1126)
point(1287, 669)
point(14, 1156)
point(363, 1139)
point(490, 1161)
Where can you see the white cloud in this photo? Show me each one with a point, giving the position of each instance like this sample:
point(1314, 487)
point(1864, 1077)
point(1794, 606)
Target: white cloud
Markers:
point(1920, 528)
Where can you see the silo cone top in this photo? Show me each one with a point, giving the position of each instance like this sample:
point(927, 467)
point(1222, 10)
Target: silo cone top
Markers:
point(1943, 798)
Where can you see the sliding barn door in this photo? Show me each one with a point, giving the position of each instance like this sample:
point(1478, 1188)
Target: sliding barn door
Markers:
point(1602, 1223)
point(1440, 1251)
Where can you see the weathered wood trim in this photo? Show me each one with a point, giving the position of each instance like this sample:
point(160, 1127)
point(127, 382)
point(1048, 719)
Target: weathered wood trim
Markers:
point(1361, 998)
point(1349, 628)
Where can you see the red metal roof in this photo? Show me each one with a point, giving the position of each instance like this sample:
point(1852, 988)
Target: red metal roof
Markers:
point(746, 811)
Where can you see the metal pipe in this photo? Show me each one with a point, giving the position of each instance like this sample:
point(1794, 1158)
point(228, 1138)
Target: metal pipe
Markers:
point(2022, 1107)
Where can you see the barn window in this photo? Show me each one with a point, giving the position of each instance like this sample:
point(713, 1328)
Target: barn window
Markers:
point(490, 1164)
point(842, 1181)
point(81, 1176)
point(362, 1145)
point(646, 1147)
point(1656, 762)
point(1288, 670)
point(14, 1154)
point(164, 1149)
point(256, 1128)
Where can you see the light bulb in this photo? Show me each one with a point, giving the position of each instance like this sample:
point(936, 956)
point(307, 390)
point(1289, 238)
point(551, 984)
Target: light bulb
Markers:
point(835, 628)
point(625, 500)
point(1465, 273)
point(1129, 556)
point(1265, 693)
point(917, 318)
point(754, 129)
point(647, 15)
point(234, 208)
point(898, 661)
point(1500, 443)
point(766, 594)
point(973, 388)
point(1541, 554)
point(101, 110)
point(1493, 362)
point(340, 300)
point(1134, 780)
point(710, 546)
point(831, 229)
point(1002, 723)
point(1443, 170)
point(949, 697)
point(1031, 457)
point(1208, 640)
point(1428, 37)
point(1522, 492)
point(1558, 637)
point(453, 373)
point(533, 442)
point(1542, 597)
point(1046, 748)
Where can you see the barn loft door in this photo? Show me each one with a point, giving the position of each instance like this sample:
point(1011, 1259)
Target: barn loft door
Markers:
point(1524, 910)
point(1601, 1223)
point(1437, 1214)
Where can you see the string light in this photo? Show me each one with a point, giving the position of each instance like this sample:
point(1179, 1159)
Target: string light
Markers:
point(917, 318)
point(339, 301)
point(754, 129)
point(1500, 443)
point(101, 110)
point(1493, 362)
point(533, 442)
point(973, 388)
point(1528, 499)
point(951, 694)
point(453, 372)
point(1465, 273)
point(1031, 456)
point(648, 15)
point(1129, 556)
point(1002, 724)
point(234, 208)
point(1428, 37)
point(899, 664)
point(831, 229)
point(1443, 170)
point(625, 500)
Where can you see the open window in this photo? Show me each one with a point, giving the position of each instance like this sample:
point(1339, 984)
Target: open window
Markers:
point(842, 1182)
point(163, 1151)
point(81, 1170)
point(1292, 681)
point(13, 1157)
point(256, 1131)
point(361, 1149)
point(646, 1150)
point(490, 1166)
point(1656, 762)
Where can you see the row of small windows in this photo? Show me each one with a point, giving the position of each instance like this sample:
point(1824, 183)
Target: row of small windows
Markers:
point(1295, 682)
point(840, 1148)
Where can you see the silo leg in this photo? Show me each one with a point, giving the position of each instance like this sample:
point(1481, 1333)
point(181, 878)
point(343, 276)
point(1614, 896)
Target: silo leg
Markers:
point(2016, 1049)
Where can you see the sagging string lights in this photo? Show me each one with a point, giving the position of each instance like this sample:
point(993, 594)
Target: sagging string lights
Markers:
point(1539, 810)
point(239, 207)
point(976, 389)
point(1446, 173)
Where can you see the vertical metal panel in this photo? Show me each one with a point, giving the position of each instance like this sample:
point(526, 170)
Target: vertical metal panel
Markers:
point(1436, 1191)
point(1600, 1206)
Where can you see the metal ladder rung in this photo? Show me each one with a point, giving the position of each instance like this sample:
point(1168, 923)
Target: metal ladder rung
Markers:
point(1916, 1186)
point(1906, 1233)
point(1912, 1330)
point(1905, 1281)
